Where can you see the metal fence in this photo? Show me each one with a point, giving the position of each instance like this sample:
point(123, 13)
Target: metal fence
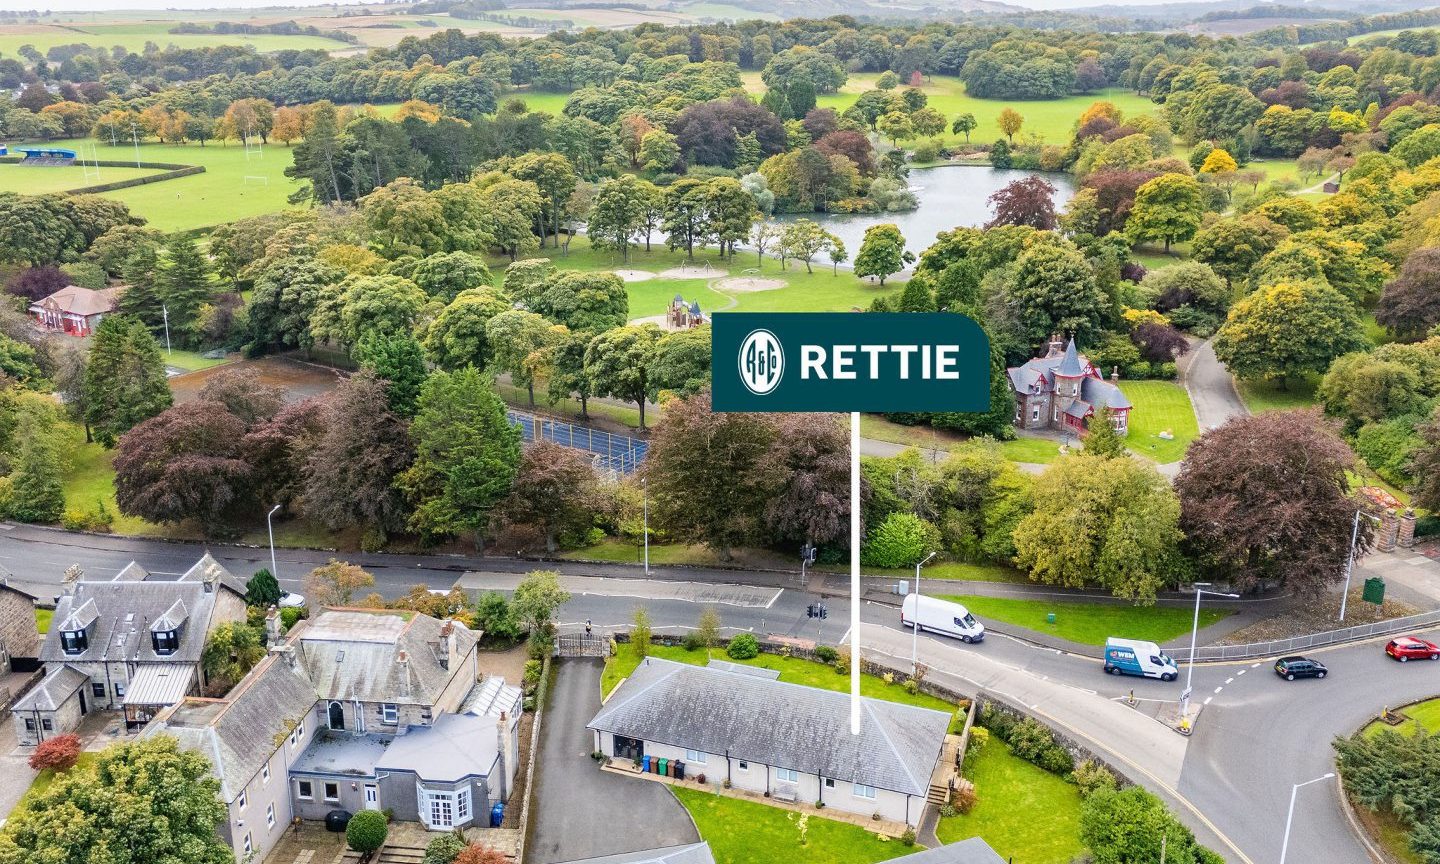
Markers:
point(619, 453)
point(1299, 643)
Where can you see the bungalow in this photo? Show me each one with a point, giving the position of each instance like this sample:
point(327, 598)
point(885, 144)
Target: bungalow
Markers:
point(970, 851)
point(74, 310)
point(787, 741)
point(128, 643)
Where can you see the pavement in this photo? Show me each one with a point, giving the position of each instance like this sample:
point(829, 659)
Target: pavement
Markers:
point(578, 810)
point(16, 775)
point(1212, 390)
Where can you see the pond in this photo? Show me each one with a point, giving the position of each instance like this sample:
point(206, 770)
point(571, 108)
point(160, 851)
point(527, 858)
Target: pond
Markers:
point(950, 196)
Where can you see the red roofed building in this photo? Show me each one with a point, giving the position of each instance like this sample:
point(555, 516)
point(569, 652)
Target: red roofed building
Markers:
point(1062, 391)
point(74, 310)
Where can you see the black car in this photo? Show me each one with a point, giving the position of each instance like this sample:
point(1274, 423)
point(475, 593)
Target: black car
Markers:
point(1291, 668)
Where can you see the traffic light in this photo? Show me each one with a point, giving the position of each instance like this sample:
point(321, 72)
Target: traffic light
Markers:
point(824, 613)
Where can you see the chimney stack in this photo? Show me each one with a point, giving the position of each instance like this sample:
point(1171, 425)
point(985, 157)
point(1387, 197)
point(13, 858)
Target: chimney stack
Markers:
point(272, 627)
point(451, 655)
point(508, 759)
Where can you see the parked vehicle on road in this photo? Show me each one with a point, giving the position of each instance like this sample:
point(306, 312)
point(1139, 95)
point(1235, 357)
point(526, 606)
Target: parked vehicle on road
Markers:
point(940, 616)
point(1405, 648)
point(1134, 657)
point(1291, 668)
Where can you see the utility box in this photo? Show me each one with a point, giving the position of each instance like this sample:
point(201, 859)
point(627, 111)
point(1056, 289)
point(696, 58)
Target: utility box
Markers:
point(1374, 591)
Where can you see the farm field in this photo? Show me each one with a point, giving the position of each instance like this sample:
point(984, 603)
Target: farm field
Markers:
point(133, 35)
point(37, 180)
point(222, 194)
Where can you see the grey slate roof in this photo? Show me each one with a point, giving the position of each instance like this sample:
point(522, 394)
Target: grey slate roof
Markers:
point(777, 723)
point(742, 669)
point(207, 568)
point(1037, 375)
point(118, 615)
point(1070, 365)
point(173, 619)
point(456, 746)
point(1103, 394)
point(971, 851)
point(357, 654)
point(238, 733)
point(693, 853)
point(52, 691)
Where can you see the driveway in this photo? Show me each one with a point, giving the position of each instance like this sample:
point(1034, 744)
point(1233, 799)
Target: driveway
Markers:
point(580, 811)
point(1212, 390)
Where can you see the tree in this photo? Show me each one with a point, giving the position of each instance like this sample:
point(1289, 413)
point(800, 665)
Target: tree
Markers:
point(262, 591)
point(964, 124)
point(124, 379)
point(641, 632)
point(896, 126)
point(1287, 330)
point(928, 123)
point(686, 221)
point(457, 338)
point(1219, 162)
point(1101, 522)
point(366, 831)
point(537, 598)
point(1232, 247)
point(1103, 439)
point(365, 305)
point(37, 283)
point(399, 361)
point(618, 213)
point(496, 619)
point(1425, 465)
point(1051, 289)
point(555, 491)
point(37, 493)
point(584, 302)
point(1131, 825)
point(682, 361)
point(447, 274)
point(143, 802)
point(707, 628)
point(1266, 500)
point(618, 361)
point(658, 151)
point(1030, 201)
point(882, 252)
point(1009, 121)
point(57, 755)
point(1410, 305)
point(766, 234)
point(183, 283)
point(349, 475)
point(336, 583)
point(554, 176)
point(518, 340)
point(804, 239)
point(1167, 208)
point(231, 651)
point(467, 454)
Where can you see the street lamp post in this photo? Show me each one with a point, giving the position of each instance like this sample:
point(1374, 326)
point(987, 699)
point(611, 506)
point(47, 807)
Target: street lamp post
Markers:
point(274, 570)
point(165, 311)
point(1285, 845)
point(1350, 562)
point(645, 515)
point(915, 622)
point(1194, 637)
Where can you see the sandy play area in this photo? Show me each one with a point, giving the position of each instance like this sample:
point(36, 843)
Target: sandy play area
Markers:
point(742, 284)
point(634, 275)
point(703, 271)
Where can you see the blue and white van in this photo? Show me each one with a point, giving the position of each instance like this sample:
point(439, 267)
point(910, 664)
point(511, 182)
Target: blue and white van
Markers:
point(1133, 657)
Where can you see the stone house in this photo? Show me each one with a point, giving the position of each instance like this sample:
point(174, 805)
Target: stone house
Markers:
point(1062, 390)
point(787, 741)
point(130, 643)
point(357, 709)
point(74, 310)
point(19, 640)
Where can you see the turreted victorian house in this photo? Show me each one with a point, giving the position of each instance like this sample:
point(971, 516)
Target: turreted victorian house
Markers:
point(1062, 390)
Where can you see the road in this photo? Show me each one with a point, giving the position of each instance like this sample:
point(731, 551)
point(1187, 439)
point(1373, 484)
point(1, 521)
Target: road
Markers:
point(1230, 782)
point(1212, 390)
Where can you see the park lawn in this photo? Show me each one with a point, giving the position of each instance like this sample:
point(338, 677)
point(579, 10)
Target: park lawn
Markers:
point(1264, 395)
point(1155, 259)
point(133, 36)
point(1053, 120)
point(987, 571)
point(42, 620)
point(232, 187)
point(539, 100)
point(1160, 406)
point(1422, 715)
point(1089, 623)
point(622, 551)
point(748, 832)
point(37, 180)
point(1025, 813)
point(792, 669)
point(43, 780)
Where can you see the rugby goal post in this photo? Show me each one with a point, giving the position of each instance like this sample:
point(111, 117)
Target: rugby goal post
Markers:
point(256, 180)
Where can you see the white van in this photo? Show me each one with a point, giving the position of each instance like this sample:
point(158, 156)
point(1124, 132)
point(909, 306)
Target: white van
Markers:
point(1134, 657)
point(941, 616)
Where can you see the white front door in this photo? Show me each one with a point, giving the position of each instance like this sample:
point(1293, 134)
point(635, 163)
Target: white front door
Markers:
point(442, 811)
point(372, 796)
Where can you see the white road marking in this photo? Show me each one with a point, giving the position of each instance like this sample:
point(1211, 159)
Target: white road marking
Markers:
point(1207, 699)
point(1242, 672)
point(1218, 689)
point(1253, 665)
point(1228, 680)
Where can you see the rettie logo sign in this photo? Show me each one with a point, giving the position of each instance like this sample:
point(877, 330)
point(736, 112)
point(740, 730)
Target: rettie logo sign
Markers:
point(844, 361)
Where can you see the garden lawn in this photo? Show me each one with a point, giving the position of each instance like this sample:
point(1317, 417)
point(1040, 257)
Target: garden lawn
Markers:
point(747, 832)
point(877, 428)
point(1160, 406)
point(44, 779)
point(1053, 120)
point(1033, 450)
point(1422, 715)
point(231, 188)
point(39, 179)
point(42, 620)
point(792, 669)
point(1089, 623)
point(1024, 813)
point(1261, 396)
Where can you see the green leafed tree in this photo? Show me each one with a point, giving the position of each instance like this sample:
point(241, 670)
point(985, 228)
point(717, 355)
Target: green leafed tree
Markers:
point(882, 252)
point(124, 379)
point(1167, 209)
point(262, 590)
point(618, 364)
point(1287, 330)
point(37, 492)
point(398, 360)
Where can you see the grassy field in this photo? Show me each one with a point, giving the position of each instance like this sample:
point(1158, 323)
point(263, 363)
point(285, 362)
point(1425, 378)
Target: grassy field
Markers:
point(33, 180)
point(956, 570)
point(1160, 406)
point(1260, 396)
point(191, 361)
point(42, 619)
point(747, 832)
point(1052, 120)
point(792, 669)
point(1422, 715)
point(875, 427)
point(1089, 623)
point(133, 35)
point(1024, 813)
point(226, 191)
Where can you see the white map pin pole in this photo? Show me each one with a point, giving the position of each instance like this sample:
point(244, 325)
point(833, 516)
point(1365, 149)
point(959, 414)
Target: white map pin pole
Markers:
point(855, 573)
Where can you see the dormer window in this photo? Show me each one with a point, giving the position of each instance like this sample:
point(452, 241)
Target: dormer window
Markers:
point(165, 641)
point(74, 641)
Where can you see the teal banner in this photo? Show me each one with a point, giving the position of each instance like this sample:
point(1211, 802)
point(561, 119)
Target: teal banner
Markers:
point(849, 361)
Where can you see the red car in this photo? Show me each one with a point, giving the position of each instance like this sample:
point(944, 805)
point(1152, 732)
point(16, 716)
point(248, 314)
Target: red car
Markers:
point(1408, 647)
